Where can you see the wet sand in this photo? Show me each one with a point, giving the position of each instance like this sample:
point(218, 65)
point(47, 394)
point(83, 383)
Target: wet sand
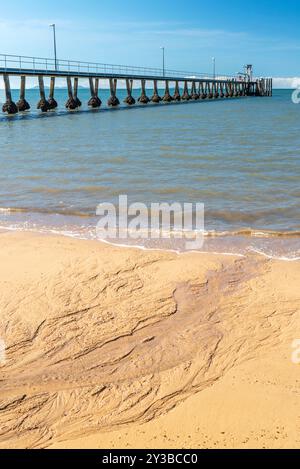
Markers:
point(119, 347)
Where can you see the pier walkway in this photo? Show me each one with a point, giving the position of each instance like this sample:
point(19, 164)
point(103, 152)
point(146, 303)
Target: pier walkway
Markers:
point(187, 85)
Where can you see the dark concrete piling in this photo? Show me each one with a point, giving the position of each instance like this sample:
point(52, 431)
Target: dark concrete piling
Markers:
point(194, 94)
point(235, 90)
point(202, 90)
point(216, 93)
point(167, 98)
point(75, 94)
point(71, 103)
point(97, 91)
point(199, 90)
point(22, 104)
point(185, 96)
point(269, 87)
point(222, 90)
point(213, 91)
point(143, 99)
point(226, 90)
point(129, 98)
point(73, 100)
point(9, 106)
point(264, 87)
point(155, 98)
point(176, 95)
point(257, 89)
point(52, 102)
point(249, 90)
point(94, 101)
point(206, 90)
point(43, 104)
point(113, 100)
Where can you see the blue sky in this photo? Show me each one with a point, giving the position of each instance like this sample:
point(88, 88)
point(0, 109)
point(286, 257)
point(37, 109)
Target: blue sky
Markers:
point(265, 33)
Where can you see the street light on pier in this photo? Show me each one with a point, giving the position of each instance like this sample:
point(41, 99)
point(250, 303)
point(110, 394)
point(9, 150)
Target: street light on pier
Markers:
point(54, 44)
point(163, 59)
point(214, 67)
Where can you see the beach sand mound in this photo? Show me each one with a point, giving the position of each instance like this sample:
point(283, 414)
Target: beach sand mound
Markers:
point(130, 348)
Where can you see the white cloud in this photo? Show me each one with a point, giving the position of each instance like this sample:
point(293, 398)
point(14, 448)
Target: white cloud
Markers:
point(290, 83)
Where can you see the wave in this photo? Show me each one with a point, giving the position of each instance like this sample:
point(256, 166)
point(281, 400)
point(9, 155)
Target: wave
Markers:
point(54, 190)
point(68, 216)
point(289, 251)
point(252, 232)
point(7, 210)
point(233, 216)
point(45, 211)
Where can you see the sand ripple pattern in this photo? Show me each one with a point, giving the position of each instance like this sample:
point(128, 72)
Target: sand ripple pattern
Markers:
point(106, 337)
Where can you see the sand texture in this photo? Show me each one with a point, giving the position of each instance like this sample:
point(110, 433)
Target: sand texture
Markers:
point(114, 347)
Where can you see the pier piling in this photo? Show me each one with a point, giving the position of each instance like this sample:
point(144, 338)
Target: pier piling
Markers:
point(216, 93)
point(202, 91)
point(129, 98)
point(22, 104)
point(52, 102)
point(167, 98)
point(185, 96)
point(221, 90)
point(71, 104)
point(94, 101)
point(226, 90)
point(97, 91)
point(209, 91)
point(113, 100)
point(9, 106)
point(155, 98)
point(75, 94)
point(235, 90)
point(43, 104)
point(143, 99)
point(176, 95)
point(194, 94)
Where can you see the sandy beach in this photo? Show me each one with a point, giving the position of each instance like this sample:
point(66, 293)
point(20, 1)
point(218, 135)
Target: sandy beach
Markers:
point(110, 347)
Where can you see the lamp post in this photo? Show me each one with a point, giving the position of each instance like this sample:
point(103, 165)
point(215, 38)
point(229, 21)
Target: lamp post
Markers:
point(214, 67)
point(54, 44)
point(163, 59)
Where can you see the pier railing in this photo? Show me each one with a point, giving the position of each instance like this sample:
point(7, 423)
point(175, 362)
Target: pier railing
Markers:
point(45, 65)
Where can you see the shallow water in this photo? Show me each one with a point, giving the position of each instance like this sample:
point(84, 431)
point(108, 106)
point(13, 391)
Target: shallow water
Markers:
point(239, 157)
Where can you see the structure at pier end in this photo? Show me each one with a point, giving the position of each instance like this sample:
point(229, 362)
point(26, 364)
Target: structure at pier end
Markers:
point(194, 86)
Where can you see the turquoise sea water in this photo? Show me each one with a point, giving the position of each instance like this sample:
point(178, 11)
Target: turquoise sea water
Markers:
point(239, 157)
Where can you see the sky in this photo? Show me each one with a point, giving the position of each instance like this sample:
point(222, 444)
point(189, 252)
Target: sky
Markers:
point(264, 33)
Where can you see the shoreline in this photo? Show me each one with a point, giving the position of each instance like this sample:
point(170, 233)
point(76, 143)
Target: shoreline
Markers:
point(271, 244)
point(89, 363)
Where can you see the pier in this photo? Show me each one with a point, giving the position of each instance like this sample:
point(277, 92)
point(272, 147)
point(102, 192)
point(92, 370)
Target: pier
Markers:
point(195, 86)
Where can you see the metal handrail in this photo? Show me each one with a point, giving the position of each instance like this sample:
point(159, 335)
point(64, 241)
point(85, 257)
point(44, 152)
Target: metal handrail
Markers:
point(24, 63)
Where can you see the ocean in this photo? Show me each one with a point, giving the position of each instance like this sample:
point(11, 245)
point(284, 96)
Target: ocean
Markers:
point(239, 157)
